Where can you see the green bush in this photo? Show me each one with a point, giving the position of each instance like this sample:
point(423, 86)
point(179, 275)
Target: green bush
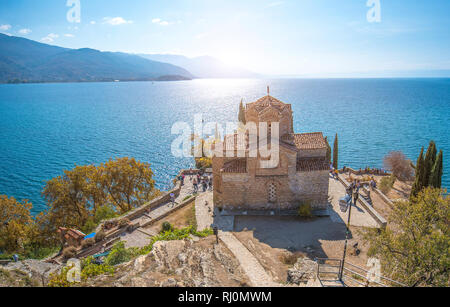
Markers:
point(305, 210)
point(90, 269)
point(387, 183)
point(119, 254)
point(166, 226)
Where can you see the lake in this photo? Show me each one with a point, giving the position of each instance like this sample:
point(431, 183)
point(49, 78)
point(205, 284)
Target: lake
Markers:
point(47, 128)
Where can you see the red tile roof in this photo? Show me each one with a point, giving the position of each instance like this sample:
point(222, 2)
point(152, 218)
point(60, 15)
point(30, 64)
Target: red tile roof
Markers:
point(266, 101)
point(310, 141)
point(312, 164)
point(238, 166)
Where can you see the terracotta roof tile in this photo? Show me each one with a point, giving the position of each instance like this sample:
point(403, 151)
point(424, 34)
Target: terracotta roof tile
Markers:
point(312, 164)
point(310, 141)
point(266, 101)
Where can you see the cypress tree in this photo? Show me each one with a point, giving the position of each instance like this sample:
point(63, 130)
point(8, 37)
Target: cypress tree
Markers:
point(418, 182)
point(328, 150)
point(437, 171)
point(336, 152)
point(430, 159)
point(241, 117)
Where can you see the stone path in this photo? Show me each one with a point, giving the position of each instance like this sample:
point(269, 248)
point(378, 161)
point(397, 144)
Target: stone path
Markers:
point(203, 212)
point(255, 272)
point(360, 216)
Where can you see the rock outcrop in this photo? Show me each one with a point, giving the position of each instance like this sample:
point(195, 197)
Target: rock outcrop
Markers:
point(304, 272)
point(178, 264)
point(32, 273)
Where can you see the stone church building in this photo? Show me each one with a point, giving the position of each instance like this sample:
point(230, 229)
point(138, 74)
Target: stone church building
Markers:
point(302, 174)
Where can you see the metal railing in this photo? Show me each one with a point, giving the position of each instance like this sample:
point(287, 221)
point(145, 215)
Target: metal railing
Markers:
point(352, 275)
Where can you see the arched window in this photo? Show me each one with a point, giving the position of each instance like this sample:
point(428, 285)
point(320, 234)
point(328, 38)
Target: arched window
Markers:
point(272, 191)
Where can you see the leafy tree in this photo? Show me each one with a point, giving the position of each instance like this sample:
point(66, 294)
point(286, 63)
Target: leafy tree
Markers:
point(430, 159)
point(336, 153)
point(414, 247)
point(128, 183)
point(241, 117)
point(16, 223)
point(437, 171)
point(419, 179)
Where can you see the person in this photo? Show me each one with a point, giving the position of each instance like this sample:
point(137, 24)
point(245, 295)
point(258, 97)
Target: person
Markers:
point(358, 186)
point(210, 184)
point(205, 186)
point(195, 185)
point(172, 199)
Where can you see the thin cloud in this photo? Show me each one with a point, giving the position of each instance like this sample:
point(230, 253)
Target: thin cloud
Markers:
point(116, 21)
point(69, 35)
point(93, 22)
point(161, 22)
point(5, 27)
point(50, 38)
point(24, 31)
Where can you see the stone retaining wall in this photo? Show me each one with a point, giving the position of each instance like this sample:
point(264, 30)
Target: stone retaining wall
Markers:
point(376, 216)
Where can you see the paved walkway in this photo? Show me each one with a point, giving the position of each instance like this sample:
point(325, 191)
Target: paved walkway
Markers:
point(204, 209)
point(255, 272)
point(360, 216)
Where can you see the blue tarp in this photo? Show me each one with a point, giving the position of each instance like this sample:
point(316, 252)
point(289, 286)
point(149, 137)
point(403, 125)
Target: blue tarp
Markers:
point(92, 235)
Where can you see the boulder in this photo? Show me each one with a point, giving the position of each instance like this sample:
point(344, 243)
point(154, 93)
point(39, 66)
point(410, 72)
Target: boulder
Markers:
point(303, 271)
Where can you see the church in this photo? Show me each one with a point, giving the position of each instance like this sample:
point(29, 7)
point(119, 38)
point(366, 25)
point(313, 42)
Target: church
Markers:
point(241, 183)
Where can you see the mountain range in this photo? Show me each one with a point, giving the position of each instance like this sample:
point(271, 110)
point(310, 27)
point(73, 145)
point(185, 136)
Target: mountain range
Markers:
point(24, 60)
point(202, 67)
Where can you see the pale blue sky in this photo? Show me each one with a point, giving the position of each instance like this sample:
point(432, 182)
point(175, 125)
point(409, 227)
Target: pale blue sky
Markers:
point(268, 36)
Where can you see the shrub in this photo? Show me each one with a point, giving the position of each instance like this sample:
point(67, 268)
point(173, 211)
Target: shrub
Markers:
point(124, 222)
point(100, 236)
point(69, 252)
point(88, 243)
point(90, 269)
point(119, 254)
point(305, 210)
point(387, 183)
point(166, 226)
point(400, 166)
point(59, 280)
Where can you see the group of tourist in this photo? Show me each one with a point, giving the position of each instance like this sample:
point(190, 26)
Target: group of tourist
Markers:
point(334, 172)
point(201, 182)
point(367, 170)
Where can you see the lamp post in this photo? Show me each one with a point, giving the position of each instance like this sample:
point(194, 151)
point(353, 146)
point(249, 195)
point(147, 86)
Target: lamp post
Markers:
point(355, 199)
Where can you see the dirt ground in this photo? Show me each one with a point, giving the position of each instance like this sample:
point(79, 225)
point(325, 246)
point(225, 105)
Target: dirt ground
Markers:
point(179, 219)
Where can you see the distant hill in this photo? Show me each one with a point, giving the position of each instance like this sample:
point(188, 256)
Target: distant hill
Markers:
point(202, 67)
point(23, 60)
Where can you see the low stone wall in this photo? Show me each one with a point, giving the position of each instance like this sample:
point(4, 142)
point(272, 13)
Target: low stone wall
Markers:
point(376, 216)
point(384, 198)
point(182, 205)
point(364, 172)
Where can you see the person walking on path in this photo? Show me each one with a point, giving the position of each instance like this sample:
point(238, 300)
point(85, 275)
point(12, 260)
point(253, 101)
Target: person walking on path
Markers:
point(172, 199)
point(195, 185)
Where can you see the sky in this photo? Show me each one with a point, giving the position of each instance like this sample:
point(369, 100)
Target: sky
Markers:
point(273, 37)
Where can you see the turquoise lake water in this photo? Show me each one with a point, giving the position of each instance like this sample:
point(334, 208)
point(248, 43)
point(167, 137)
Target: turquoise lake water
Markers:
point(46, 128)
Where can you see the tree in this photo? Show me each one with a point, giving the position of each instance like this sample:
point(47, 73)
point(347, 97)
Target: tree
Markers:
point(413, 248)
point(328, 156)
point(68, 197)
point(241, 116)
point(430, 159)
point(336, 153)
point(437, 171)
point(400, 166)
point(16, 223)
point(128, 183)
point(418, 181)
